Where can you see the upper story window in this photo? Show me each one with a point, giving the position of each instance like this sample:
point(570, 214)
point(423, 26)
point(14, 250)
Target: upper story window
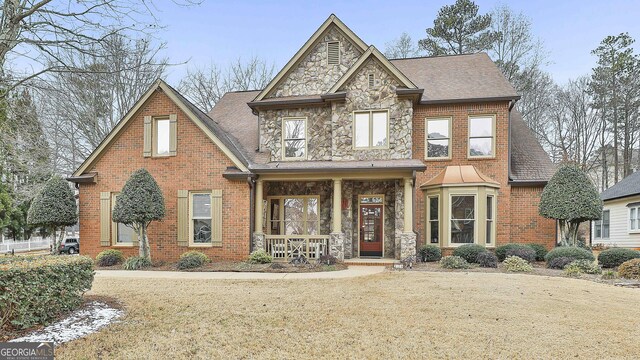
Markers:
point(438, 138)
point(333, 53)
point(371, 129)
point(601, 227)
point(482, 136)
point(294, 138)
point(162, 137)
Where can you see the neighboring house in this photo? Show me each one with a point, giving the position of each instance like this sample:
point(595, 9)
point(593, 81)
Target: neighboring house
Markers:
point(344, 152)
point(620, 223)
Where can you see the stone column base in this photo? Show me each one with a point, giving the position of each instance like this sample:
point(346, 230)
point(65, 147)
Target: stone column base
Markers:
point(336, 245)
point(258, 241)
point(407, 244)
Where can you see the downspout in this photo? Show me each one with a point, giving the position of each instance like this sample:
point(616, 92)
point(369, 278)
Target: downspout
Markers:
point(512, 103)
point(413, 207)
point(252, 196)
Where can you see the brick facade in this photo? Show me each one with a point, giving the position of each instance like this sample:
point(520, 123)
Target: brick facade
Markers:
point(198, 165)
point(527, 226)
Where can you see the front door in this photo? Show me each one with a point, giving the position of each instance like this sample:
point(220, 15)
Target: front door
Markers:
point(371, 225)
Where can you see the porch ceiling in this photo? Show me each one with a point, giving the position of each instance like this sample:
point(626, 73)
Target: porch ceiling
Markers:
point(338, 167)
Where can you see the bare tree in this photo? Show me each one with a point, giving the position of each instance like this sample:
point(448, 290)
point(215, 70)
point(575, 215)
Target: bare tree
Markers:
point(401, 48)
point(205, 86)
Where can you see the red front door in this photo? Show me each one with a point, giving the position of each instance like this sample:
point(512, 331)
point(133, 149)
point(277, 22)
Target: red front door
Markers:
point(371, 225)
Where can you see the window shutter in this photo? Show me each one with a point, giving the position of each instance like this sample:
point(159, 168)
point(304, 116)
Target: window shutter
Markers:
point(173, 134)
point(105, 218)
point(147, 137)
point(333, 53)
point(216, 217)
point(183, 218)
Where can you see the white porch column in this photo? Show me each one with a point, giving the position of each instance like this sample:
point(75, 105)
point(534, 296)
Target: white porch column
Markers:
point(337, 206)
point(259, 210)
point(408, 205)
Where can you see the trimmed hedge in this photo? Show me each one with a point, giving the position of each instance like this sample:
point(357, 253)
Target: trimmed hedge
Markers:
point(524, 252)
point(430, 253)
point(487, 259)
point(109, 257)
point(192, 259)
point(501, 251)
point(540, 250)
point(559, 262)
point(572, 252)
point(614, 257)
point(630, 269)
point(36, 291)
point(469, 252)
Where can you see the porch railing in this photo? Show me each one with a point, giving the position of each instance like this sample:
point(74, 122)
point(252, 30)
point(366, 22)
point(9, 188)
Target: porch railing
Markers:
point(286, 247)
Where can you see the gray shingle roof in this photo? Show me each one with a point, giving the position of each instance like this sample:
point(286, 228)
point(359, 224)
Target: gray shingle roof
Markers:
point(529, 161)
point(626, 187)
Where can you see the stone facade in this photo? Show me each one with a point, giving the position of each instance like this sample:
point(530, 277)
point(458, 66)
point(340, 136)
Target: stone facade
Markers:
point(312, 75)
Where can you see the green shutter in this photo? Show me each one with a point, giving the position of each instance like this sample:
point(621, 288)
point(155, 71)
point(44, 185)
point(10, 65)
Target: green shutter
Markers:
point(216, 217)
point(105, 218)
point(173, 134)
point(147, 136)
point(183, 218)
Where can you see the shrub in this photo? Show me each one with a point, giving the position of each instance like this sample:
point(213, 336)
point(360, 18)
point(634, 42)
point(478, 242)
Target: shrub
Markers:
point(38, 290)
point(487, 259)
point(559, 262)
point(517, 264)
point(191, 260)
point(109, 257)
point(429, 253)
point(260, 257)
point(540, 250)
point(613, 257)
point(572, 252)
point(578, 267)
point(501, 251)
point(469, 252)
point(609, 275)
point(454, 262)
point(523, 252)
point(136, 263)
point(327, 259)
point(630, 269)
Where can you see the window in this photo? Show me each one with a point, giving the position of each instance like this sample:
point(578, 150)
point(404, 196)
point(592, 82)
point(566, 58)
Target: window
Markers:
point(481, 136)
point(438, 138)
point(122, 234)
point(462, 219)
point(294, 215)
point(634, 217)
point(371, 129)
point(200, 227)
point(294, 138)
point(162, 137)
point(434, 222)
point(601, 227)
point(333, 53)
point(490, 222)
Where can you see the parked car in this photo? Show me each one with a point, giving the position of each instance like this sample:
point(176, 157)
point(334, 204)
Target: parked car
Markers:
point(70, 246)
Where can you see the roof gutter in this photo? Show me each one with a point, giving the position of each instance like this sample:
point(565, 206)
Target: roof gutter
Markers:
point(471, 100)
point(334, 170)
point(528, 182)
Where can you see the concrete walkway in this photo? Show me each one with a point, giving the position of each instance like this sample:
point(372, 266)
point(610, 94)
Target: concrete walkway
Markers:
point(352, 271)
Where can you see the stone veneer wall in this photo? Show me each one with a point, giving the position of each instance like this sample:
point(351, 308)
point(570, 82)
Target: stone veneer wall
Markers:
point(361, 97)
point(312, 75)
point(322, 188)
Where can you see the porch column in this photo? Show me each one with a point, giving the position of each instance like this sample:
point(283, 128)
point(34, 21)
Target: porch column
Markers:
point(408, 205)
point(337, 206)
point(259, 210)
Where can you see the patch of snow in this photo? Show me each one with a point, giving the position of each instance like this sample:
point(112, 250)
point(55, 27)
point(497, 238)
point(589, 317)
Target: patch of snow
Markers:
point(79, 323)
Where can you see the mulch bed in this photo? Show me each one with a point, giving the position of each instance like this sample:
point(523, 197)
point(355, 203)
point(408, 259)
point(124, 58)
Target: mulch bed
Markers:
point(234, 266)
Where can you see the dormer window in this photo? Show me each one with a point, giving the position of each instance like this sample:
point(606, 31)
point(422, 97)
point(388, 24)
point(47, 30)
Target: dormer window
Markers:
point(333, 53)
point(294, 138)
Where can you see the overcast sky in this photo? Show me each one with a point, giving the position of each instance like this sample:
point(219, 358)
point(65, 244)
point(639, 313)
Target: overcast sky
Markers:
point(220, 31)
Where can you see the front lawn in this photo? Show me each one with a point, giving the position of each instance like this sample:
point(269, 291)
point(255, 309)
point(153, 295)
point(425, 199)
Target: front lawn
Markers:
point(393, 315)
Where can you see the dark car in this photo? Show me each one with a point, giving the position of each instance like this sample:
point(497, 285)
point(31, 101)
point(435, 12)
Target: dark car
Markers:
point(70, 246)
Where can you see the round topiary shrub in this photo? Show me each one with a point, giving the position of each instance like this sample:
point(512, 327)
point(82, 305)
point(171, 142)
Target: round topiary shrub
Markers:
point(582, 267)
point(260, 257)
point(109, 257)
point(136, 263)
point(523, 252)
point(517, 264)
point(540, 250)
point(559, 262)
point(192, 259)
point(613, 257)
point(630, 269)
point(487, 259)
point(501, 251)
point(430, 253)
point(469, 252)
point(454, 262)
point(571, 252)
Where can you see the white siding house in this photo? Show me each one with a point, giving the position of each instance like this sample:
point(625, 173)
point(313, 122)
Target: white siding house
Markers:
point(620, 223)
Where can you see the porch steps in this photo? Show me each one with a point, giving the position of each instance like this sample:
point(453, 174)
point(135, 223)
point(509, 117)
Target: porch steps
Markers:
point(371, 262)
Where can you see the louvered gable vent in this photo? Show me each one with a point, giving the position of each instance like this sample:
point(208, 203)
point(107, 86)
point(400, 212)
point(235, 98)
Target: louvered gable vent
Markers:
point(333, 53)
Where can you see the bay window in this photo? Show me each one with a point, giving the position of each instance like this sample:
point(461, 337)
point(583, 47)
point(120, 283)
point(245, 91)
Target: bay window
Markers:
point(463, 219)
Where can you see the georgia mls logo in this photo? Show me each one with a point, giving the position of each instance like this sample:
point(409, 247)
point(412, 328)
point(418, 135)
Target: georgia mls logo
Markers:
point(26, 351)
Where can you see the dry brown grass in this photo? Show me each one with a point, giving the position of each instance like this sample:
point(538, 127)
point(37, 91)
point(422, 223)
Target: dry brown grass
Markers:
point(393, 315)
